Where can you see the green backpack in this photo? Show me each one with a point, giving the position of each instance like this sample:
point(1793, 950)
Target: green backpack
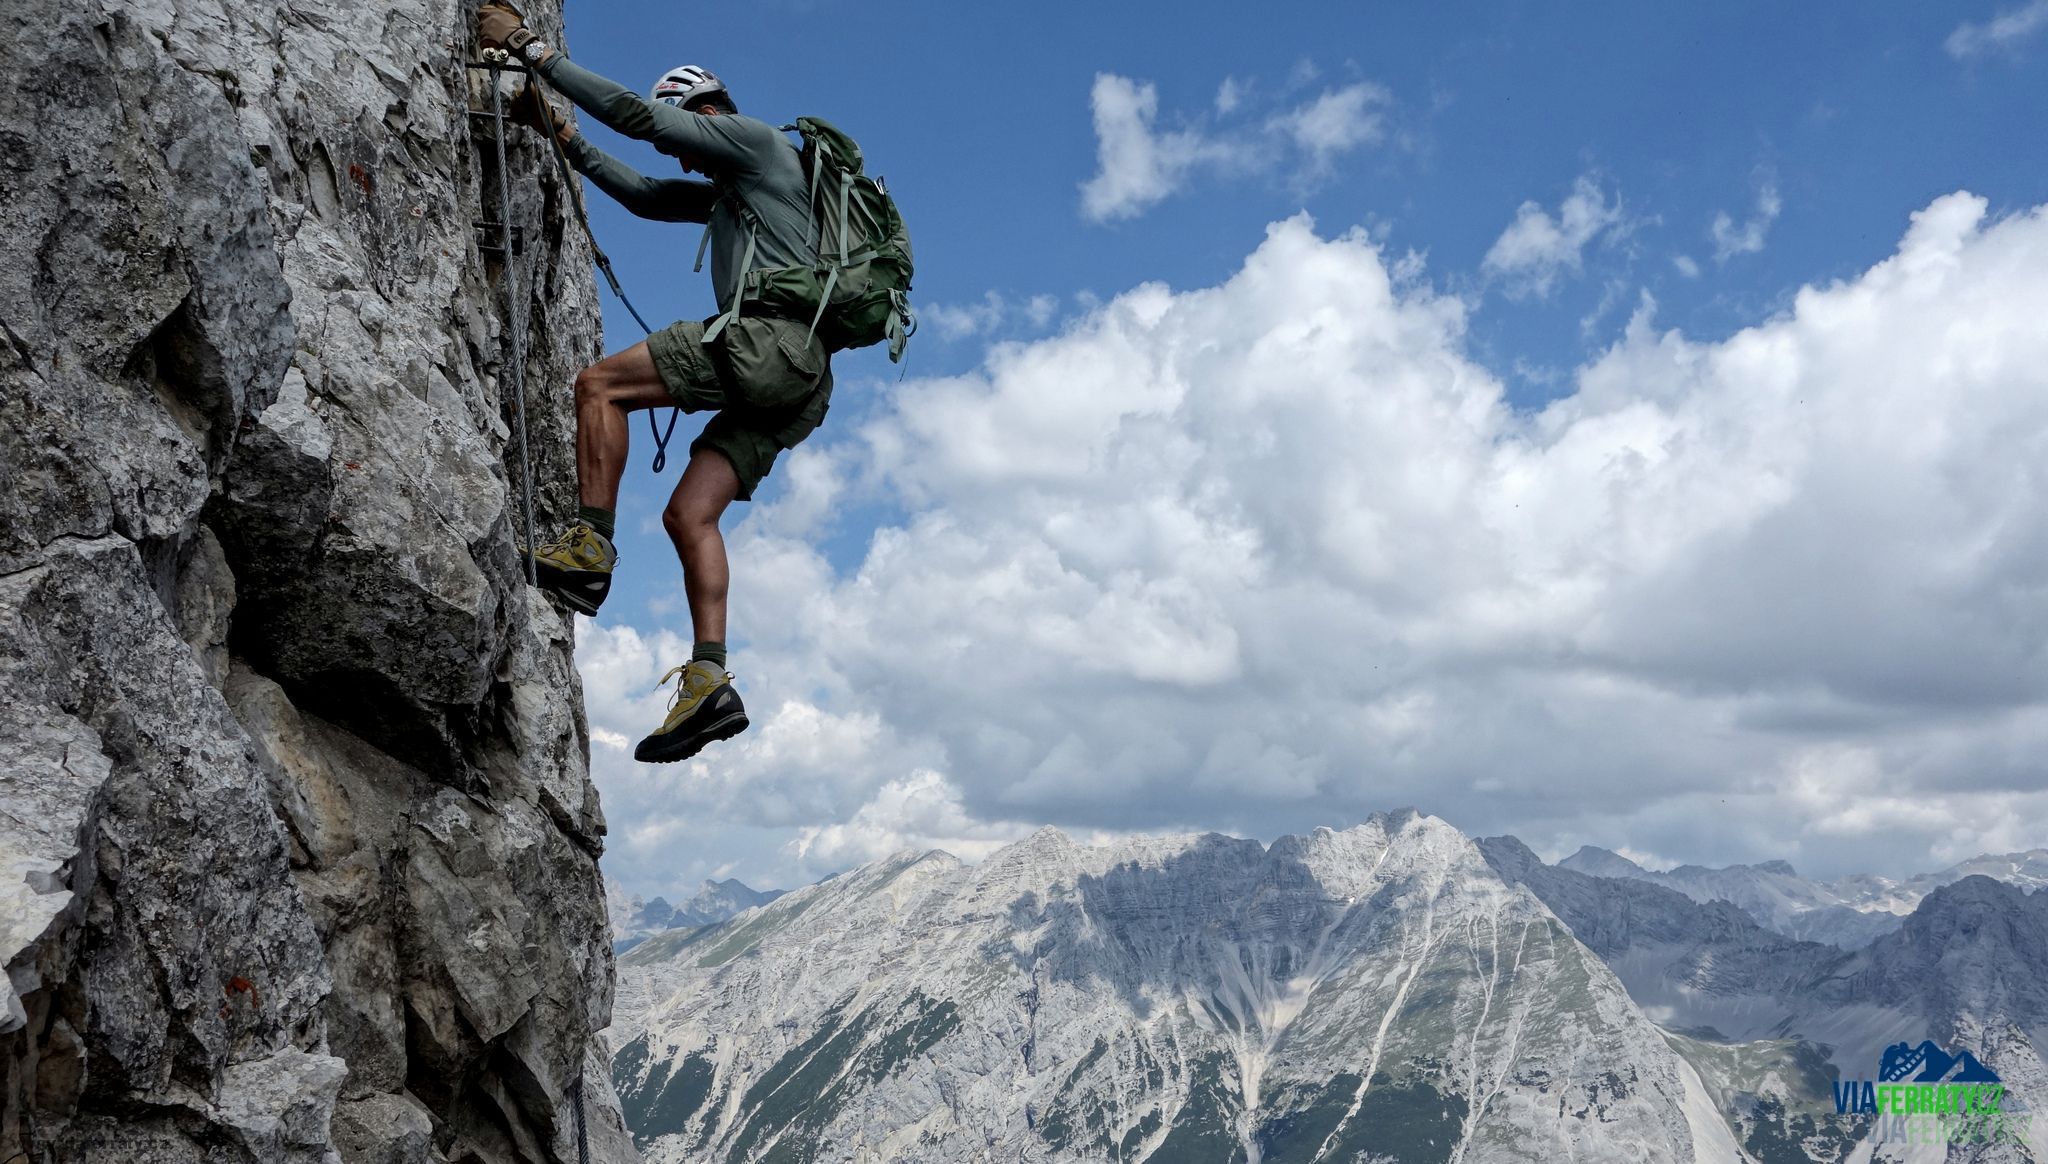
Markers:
point(858, 294)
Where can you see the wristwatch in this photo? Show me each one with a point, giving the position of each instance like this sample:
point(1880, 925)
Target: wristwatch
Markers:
point(526, 44)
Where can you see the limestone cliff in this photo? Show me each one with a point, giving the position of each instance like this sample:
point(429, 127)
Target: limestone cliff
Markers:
point(298, 852)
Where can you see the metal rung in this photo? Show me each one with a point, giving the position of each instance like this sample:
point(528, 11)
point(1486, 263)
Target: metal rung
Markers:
point(518, 238)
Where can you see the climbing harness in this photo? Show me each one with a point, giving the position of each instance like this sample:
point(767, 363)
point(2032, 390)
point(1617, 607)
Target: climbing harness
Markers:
point(497, 62)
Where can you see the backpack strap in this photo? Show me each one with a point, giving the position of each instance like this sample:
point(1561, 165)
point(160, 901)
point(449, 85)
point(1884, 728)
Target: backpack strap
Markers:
point(845, 240)
point(840, 260)
point(739, 288)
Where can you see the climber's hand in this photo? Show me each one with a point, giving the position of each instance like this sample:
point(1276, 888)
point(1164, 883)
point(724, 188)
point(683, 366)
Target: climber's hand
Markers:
point(527, 109)
point(495, 25)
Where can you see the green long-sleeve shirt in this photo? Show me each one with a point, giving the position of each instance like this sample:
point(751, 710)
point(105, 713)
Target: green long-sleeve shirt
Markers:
point(744, 157)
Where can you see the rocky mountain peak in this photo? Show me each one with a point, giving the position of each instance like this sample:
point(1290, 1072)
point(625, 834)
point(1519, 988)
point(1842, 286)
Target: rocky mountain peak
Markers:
point(1977, 943)
point(1600, 862)
point(1849, 912)
point(1045, 843)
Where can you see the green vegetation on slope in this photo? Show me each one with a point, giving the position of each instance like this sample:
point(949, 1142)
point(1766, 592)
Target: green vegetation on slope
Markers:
point(733, 940)
point(1777, 1094)
point(1203, 1129)
point(662, 1100)
point(1310, 1115)
point(1412, 1122)
point(793, 1102)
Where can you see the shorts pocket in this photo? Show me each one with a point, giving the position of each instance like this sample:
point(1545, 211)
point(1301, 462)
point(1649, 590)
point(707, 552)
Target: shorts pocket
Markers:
point(772, 367)
point(806, 353)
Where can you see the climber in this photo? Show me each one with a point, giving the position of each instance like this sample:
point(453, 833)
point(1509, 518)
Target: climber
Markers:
point(767, 379)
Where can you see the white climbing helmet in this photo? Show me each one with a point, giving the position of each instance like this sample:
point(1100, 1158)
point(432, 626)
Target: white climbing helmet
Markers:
point(687, 85)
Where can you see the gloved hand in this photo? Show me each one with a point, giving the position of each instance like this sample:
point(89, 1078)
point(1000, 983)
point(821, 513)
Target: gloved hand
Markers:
point(527, 109)
point(495, 25)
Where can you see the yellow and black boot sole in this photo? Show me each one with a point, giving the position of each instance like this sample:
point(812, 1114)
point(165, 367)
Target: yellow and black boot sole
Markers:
point(583, 591)
point(721, 716)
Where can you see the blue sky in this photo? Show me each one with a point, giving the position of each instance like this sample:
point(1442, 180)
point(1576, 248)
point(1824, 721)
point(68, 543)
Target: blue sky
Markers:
point(1549, 191)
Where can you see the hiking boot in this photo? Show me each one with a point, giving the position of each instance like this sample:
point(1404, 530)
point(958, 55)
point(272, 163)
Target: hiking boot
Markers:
point(705, 709)
point(578, 567)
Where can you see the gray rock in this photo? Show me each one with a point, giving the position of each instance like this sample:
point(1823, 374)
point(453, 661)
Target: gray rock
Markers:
point(205, 601)
point(283, 1106)
point(385, 1129)
point(297, 842)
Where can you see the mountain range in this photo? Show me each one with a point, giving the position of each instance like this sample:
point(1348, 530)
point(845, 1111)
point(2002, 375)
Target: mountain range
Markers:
point(1850, 912)
point(1391, 992)
point(636, 919)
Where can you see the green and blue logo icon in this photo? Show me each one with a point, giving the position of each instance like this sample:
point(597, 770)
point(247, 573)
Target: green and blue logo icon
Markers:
point(1926, 1094)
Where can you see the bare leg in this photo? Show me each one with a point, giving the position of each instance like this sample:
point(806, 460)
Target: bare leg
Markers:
point(708, 486)
point(606, 393)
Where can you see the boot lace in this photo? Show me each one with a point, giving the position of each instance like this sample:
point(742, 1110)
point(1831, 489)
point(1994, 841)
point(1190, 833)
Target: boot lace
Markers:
point(682, 676)
point(682, 684)
point(562, 546)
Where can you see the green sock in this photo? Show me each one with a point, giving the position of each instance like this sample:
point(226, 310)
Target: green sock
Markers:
point(710, 653)
point(600, 520)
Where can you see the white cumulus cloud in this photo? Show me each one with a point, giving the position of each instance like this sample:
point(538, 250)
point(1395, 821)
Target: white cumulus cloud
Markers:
point(1230, 94)
point(1139, 164)
point(1538, 249)
point(921, 811)
point(1337, 122)
point(987, 315)
point(1277, 553)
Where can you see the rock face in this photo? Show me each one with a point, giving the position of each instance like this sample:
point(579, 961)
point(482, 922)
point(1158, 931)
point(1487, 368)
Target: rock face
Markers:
point(1678, 957)
point(297, 846)
point(1373, 994)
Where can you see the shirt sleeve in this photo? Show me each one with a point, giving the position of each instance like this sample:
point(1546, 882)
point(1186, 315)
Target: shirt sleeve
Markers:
point(671, 130)
point(661, 199)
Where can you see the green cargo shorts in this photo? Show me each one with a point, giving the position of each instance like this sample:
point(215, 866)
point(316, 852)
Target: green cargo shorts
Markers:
point(769, 381)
